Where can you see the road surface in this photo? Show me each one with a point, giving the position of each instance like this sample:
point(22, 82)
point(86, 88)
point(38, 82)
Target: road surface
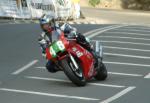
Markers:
point(24, 79)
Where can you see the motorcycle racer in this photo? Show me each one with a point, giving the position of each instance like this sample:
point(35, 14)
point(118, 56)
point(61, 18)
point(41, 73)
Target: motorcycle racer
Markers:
point(51, 31)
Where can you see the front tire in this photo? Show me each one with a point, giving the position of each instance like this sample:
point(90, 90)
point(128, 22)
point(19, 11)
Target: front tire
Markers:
point(101, 72)
point(77, 78)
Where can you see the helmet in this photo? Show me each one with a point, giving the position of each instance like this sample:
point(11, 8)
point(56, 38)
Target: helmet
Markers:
point(46, 21)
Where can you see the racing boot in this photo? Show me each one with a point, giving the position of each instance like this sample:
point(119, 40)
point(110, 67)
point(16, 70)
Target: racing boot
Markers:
point(51, 67)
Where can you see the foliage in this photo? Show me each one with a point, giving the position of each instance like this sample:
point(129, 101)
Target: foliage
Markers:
point(94, 2)
point(136, 4)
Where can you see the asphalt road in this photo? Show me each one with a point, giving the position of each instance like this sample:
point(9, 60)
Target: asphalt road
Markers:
point(117, 16)
point(23, 78)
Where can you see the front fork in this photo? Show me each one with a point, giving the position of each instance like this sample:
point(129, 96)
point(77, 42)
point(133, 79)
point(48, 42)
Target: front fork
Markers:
point(74, 62)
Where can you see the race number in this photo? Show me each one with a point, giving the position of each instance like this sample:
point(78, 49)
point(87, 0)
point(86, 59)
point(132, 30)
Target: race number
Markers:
point(52, 51)
point(60, 45)
point(79, 54)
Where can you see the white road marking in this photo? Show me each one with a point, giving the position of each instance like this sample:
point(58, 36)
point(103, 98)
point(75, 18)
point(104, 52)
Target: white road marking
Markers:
point(129, 64)
point(40, 67)
point(118, 95)
point(48, 79)
point(47, 94)
point(129, 56)
point(147, 76)
point(123, 37)
point(25, 67)
point(115, 73)
point(106, 85)
point(120, 42)
point(134, 30)
point(60, 80)
point(96, 30)
point(131, 49)
point(106, 29)
point(127, 33)
point(125, 74)
point(139, 28)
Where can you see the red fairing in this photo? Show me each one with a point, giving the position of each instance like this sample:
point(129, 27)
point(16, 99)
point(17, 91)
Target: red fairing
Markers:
point(48, 55)
point(86, 59)
point(64, 40)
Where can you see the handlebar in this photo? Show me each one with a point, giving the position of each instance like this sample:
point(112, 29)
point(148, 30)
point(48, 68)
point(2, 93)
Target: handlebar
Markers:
point(71, 39)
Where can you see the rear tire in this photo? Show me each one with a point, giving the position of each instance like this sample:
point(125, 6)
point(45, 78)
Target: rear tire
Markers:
point(76, 79)
point(101, 72)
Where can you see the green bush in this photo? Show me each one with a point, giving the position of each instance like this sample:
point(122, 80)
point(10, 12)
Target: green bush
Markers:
point(94, 2)
point(136, 4)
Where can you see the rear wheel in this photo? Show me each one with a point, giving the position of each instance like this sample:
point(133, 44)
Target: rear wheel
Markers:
point(101, 72)
point(73, 73)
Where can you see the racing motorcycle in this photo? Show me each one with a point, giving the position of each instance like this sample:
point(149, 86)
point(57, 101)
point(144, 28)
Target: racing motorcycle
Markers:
point(77, 63)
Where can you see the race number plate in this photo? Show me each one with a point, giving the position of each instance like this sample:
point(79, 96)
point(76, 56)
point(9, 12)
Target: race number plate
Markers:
point(56, 47)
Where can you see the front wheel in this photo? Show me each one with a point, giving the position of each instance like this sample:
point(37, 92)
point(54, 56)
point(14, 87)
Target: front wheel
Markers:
point(73, 73)
point(101, 72)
